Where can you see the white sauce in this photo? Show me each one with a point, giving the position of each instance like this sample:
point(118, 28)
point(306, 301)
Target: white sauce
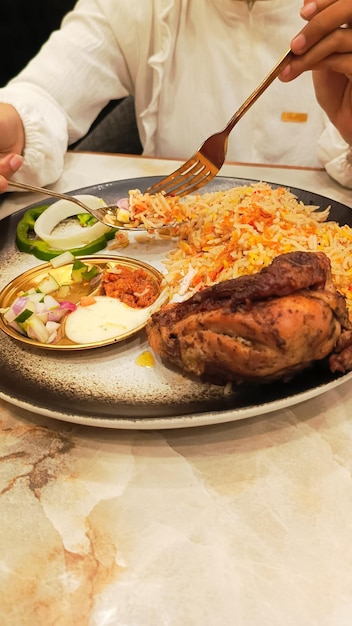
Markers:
point(105, 319)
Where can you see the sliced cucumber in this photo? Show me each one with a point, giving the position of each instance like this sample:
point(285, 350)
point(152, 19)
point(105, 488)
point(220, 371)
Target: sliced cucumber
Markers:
point(36, 329)
point(89, 274)
point(26, 313)
point(78, 269)
point(63, 259)
point(35, 296)
point(48, 284)
point(63, 291)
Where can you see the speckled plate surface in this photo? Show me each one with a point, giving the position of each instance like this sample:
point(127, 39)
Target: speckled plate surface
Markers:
point(32, 278)
point(108, 387)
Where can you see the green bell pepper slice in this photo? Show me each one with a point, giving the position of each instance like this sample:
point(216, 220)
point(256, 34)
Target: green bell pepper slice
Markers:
point(27, 241)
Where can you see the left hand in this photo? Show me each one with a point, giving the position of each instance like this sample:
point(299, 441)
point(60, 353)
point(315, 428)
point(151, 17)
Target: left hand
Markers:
point(324, 45)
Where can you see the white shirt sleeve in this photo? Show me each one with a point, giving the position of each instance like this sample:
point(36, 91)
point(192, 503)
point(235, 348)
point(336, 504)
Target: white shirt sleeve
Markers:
point(108, 49)
point(336, 156)
point(45, 134)
point(55, 111)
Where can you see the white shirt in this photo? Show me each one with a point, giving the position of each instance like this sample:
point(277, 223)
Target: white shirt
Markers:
point(189, 64)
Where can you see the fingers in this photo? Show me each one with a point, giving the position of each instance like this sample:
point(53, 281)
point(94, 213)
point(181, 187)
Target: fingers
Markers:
point(334, 54)
point(325, 43)
point(324, 17)
point(3, 184)
point(9, 164)
point(313, 7)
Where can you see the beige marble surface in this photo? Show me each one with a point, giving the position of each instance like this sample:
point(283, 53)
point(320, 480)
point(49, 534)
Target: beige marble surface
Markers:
point(241, 524)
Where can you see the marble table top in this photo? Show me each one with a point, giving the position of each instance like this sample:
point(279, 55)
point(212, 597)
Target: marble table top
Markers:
point(245, 523)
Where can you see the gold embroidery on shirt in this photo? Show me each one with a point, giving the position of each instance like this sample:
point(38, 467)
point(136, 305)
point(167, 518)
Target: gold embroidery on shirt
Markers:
point(288, 116)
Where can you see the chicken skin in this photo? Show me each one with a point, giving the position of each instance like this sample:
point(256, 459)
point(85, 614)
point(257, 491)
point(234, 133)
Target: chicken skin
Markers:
point(257, 328)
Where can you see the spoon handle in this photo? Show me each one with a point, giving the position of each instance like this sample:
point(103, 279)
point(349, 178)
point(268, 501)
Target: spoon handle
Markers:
point(48, 192)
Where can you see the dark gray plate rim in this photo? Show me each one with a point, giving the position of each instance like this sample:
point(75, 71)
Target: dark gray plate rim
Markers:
point(199, 405)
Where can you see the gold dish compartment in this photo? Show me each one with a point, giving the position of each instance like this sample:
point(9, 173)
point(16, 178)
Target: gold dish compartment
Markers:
point(32, 278)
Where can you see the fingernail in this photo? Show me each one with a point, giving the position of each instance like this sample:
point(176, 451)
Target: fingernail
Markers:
point(298, 43)
point(309, 9)
point(16, 161)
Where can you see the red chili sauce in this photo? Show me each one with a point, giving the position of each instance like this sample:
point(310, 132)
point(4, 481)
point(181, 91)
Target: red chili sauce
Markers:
point(134, 287)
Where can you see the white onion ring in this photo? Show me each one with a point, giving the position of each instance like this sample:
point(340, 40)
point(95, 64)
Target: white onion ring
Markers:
point(59, 211)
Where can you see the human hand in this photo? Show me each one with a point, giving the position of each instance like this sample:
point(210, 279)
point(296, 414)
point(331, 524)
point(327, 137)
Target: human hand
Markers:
point(11, 143)
point(324, 45)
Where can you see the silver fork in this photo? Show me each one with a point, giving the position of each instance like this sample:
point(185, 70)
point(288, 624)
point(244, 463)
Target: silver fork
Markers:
point(207, 161)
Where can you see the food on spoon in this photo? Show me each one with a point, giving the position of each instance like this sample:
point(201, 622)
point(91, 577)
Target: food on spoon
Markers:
point(257, 328)
point(123, 213)
point(151, 211)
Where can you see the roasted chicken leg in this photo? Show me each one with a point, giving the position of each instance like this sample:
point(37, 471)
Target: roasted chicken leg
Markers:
point(261, 327)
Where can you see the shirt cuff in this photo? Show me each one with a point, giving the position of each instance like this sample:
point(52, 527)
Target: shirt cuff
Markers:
point(336, 156)
point(45, 138)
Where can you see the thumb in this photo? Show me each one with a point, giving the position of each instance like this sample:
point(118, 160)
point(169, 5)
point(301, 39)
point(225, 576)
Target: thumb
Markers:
point(10, 163)
point(8, 166)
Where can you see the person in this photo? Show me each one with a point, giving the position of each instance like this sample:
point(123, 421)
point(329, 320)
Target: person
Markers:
point(189, 65)
point(115, 128)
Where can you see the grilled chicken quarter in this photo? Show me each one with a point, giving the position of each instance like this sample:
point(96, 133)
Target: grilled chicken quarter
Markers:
point(261, 327)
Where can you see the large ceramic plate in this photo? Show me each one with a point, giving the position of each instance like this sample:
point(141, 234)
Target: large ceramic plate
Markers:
point(109, 386)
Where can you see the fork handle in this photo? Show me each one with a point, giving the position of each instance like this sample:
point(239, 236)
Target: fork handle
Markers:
point(274, 72)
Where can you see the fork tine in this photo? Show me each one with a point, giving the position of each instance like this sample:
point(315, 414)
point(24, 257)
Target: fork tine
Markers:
point(202, 173)
point(210, 157)
point(178, 184)
point(192, 183)
point(190, 176)
point(189, 166)
point(176, 181)
point(169, 181)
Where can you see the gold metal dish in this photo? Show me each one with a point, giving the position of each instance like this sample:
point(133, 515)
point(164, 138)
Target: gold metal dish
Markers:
point(33, 277)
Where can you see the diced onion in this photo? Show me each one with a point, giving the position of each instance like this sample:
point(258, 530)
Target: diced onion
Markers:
point(59, 211)
point(19, 305)
point(43, 319)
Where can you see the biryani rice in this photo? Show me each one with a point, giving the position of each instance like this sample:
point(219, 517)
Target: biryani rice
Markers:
point(240, 230)
point(154, 211)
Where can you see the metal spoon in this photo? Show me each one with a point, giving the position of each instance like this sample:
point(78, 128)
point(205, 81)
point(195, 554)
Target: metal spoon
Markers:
point(106, 214)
